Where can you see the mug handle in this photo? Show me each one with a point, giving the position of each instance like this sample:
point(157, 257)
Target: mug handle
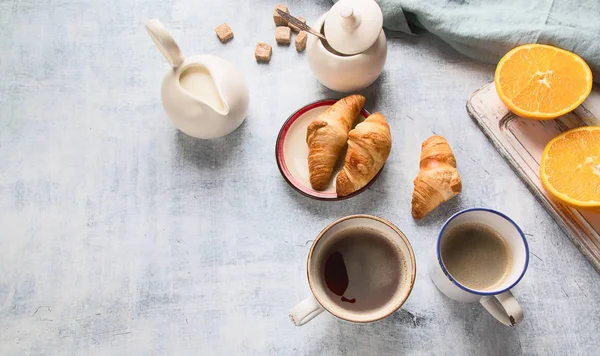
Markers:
point(504, 307)
point(305, 311)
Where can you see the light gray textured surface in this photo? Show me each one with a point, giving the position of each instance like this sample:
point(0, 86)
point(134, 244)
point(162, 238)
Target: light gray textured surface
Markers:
point(121, 236)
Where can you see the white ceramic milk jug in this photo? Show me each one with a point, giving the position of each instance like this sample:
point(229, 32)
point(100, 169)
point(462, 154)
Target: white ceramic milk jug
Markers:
point(205, 96)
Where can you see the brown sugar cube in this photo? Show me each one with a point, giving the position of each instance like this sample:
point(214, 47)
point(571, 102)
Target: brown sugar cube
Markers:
point(283, 35)
point(263, 52)
point(294, 28)
point(224, 32)
point(300, 41)
point(280, 21)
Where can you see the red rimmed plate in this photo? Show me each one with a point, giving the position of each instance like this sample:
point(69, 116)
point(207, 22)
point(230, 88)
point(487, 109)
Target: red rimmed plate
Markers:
point(291, 152)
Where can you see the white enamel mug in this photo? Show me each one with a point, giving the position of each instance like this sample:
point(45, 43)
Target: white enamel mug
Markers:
point(499, 302)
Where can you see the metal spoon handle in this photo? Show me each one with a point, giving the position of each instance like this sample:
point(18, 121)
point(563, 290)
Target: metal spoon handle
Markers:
point(301, 25)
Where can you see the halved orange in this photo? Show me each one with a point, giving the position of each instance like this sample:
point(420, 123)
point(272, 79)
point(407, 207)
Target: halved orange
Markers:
point(542, 82)
point(570, 168)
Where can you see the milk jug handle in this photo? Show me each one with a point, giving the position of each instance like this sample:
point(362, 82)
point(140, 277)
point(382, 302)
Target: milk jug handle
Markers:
point(165, 42)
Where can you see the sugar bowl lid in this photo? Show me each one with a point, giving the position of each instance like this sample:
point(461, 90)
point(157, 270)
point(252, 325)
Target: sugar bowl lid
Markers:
point(352, 26)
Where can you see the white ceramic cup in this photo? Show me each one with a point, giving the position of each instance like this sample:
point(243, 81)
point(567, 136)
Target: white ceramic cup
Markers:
point(380, 274)
point(499, 302)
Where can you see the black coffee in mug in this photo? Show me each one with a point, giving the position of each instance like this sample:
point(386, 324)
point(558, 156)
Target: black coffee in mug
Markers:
point(361, 268)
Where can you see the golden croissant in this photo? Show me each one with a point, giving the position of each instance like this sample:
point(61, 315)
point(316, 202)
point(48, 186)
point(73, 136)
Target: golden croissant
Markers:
point(369, 146)
point(438, 179)
point(327, 135)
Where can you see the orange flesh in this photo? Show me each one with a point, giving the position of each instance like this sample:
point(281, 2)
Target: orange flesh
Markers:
point(539, 81)
point(572, 166)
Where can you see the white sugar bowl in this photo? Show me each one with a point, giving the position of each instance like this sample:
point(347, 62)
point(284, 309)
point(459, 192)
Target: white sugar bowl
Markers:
point(354, 54)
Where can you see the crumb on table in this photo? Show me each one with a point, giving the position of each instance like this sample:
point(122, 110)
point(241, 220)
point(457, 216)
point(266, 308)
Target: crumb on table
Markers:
point(224, 32)
point(263, 52)
point(294, 28)
point(300, 41)
point(280, 21)
point(283, 35)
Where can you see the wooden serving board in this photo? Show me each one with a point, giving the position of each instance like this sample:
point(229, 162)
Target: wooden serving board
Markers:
point(522, 141)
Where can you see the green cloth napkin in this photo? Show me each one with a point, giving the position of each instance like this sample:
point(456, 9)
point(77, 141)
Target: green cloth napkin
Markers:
point(486, 29)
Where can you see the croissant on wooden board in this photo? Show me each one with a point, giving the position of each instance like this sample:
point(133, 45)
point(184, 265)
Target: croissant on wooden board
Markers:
point(438, 180)
point(369, 146)
point(327, 135)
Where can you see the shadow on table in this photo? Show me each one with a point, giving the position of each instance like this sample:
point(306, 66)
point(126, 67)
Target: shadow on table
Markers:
point(487, 335)
point(211, 153)
point(366, 202)
point(438, 216)
point(483, 334)
point(372, 93)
